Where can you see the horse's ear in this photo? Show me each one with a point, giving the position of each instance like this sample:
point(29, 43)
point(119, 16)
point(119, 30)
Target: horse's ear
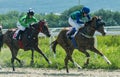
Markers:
point(43, 20)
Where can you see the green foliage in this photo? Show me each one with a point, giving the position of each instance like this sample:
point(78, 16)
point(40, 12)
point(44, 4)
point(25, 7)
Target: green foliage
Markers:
point(108, 45)
point(111, 18)
point(110, 40)
point(53, 20)
point(9, 19)
point(65, 15)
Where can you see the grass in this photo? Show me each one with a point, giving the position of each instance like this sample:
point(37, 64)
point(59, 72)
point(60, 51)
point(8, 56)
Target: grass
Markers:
point(108, 45)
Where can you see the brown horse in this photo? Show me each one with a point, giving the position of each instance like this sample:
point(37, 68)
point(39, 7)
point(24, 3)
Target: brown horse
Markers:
point(29, 41)
point(84, 40)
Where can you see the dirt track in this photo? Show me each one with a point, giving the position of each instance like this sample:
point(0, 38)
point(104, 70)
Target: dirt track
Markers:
point(43, 72)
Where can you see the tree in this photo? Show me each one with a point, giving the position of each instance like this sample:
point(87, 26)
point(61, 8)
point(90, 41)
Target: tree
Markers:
point(111, 18)
point(52, 19)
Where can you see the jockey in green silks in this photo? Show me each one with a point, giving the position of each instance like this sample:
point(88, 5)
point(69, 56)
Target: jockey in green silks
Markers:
point(24, 22)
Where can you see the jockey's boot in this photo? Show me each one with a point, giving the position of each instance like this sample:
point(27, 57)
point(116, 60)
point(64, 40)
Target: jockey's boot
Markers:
point(70, 33)
point(19, 34)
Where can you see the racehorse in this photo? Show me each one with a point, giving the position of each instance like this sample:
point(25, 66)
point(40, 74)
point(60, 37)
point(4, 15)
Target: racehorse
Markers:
point(28, 41)
point(84, 41)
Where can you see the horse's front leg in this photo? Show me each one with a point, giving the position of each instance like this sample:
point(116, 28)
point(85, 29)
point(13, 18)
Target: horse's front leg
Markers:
point(101, 54)
point(12, 61)
point(38, 50)
point(87, 55)
point(32, 57)
point(66, 63)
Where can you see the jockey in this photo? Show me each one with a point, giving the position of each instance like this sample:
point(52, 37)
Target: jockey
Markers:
point(75, 20)
point(24, 22)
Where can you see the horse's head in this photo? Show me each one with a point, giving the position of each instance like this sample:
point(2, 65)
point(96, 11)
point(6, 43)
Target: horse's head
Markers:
point(98, 24)
point(43, 28)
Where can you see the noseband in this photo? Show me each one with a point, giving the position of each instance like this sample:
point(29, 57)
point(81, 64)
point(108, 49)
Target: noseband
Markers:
point(97, 25)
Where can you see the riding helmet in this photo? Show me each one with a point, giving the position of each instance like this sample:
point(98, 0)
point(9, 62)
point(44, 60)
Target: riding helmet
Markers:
point(30, 12)
point(85, 10)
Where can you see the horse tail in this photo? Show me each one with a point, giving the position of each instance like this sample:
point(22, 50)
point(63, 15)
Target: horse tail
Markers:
point(53, 46)
point(1, 41)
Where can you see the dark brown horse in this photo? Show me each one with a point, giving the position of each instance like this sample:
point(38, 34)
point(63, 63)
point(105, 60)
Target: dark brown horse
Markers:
point(29, 41)
point(84, 40)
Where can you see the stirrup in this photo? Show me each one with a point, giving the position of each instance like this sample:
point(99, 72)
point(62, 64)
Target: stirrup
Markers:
point(14, 36)
point(69, 36)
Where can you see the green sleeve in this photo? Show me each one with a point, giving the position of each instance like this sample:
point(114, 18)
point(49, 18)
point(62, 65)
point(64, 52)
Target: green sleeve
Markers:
point(23, 21)
point(34, 19)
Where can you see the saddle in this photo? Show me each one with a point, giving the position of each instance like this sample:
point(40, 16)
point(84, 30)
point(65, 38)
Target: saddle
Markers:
point(24, 39)
point(71, 35)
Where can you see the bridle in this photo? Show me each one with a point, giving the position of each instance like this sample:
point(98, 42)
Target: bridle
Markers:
point(96, 27)
point(41, 25)
point(92, 27)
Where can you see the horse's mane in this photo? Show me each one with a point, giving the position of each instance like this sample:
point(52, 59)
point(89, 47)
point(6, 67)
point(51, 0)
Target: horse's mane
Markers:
point(88, 22)
point(41, 22)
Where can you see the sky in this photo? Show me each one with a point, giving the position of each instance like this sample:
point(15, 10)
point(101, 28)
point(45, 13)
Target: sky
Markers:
point(56, 6)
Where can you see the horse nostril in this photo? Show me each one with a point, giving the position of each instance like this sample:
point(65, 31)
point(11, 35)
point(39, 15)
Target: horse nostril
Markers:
point(49, 35)
point(104, 34)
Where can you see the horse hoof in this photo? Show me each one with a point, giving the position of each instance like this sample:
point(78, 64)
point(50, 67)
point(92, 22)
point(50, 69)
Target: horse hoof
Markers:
point(85, 65)
point(13, 69)
point(67, 71)
point(49, 62)
point(79, 67)
point(109, 63)
point(31, 63)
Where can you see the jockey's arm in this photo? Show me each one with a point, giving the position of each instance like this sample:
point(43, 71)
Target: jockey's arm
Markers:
point(22, 22)
point(79, 21)
point(35, 20)
point(88, 16)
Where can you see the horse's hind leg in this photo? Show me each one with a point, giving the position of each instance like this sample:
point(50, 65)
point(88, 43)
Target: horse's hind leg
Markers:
point(19, 61)
point(87, 55)
point(32, 57)
point(66, 63)
point(14, 54)
point(12, 61)
point(38, 50)
point(76, 64)
point(98, 52)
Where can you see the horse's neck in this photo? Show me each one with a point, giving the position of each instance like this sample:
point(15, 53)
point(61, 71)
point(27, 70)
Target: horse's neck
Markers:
point(31, 31)
point(87, 31)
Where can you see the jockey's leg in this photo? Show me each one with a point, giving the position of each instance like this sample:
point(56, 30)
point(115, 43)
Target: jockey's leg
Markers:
point(19, 31)
point(18, 34)
point(71, 32)
point(77, 27)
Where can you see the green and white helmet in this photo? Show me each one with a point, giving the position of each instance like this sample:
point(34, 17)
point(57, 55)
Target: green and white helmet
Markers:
point(30, 12)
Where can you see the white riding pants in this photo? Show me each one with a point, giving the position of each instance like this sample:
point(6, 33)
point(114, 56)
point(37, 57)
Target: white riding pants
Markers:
point(74, 23)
